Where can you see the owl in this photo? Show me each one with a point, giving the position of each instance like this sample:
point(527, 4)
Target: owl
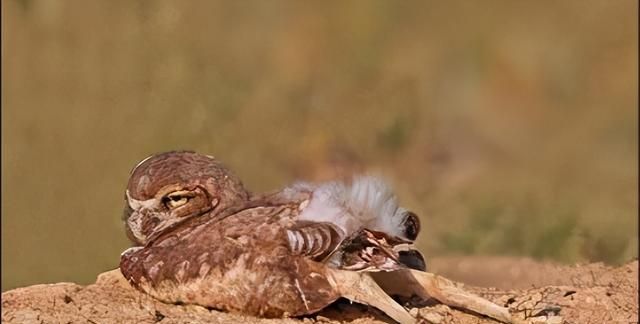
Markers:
point(161, 183)
point(204, 240)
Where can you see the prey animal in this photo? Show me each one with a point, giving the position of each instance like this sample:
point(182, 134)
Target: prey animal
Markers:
point(289, 253)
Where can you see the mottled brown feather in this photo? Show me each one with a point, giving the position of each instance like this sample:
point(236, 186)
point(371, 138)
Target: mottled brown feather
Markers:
point(238, 263)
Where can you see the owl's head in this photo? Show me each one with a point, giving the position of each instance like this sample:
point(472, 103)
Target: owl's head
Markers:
point(168, 188)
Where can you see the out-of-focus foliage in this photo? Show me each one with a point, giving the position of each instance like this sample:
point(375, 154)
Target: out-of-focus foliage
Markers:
point(509, 126)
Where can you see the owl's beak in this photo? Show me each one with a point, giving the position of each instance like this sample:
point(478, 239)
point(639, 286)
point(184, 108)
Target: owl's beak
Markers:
point(126, 216)
point(136, 219)
point(126, 213)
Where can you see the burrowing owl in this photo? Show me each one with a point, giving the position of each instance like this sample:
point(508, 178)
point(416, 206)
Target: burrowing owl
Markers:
point(284, 254)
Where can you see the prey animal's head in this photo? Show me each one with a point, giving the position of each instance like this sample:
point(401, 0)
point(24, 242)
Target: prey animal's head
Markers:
point(169, 188)
point(409, 225)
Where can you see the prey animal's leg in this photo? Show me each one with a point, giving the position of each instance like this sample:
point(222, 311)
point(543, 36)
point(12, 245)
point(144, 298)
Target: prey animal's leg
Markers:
point(361, 288)
point(425, 285)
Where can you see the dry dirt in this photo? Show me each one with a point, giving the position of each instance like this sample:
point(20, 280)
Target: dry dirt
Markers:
point(535, 292)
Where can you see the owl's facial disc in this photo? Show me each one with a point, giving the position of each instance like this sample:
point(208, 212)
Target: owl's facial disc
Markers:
point(170, 206)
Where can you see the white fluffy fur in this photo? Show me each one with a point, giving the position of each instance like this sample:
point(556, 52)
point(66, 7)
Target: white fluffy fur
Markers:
point(366, 202)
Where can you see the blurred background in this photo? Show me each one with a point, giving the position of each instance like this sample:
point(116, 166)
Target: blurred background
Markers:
point(510, 127)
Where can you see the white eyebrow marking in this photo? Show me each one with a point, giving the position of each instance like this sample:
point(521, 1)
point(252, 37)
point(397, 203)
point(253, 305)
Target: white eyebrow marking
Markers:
point(139, 204)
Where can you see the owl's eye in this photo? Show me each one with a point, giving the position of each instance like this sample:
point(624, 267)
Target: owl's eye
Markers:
point(176, 199)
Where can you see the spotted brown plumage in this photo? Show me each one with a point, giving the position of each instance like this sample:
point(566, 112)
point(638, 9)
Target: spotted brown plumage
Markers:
point(285, 254)
point(239, 263)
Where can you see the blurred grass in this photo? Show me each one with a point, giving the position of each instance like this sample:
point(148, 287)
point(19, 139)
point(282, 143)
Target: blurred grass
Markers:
point(510, 127)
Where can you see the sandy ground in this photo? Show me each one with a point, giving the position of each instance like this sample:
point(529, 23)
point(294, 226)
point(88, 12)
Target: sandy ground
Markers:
point(508, 272)
point(535, 292)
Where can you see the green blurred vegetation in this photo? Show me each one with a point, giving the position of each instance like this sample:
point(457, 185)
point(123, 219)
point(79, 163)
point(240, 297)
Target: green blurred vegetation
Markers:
point(509, 126)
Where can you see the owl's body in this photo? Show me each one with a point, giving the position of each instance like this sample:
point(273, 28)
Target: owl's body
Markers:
point(268, 257)
point(240, 263)
point(284, 254)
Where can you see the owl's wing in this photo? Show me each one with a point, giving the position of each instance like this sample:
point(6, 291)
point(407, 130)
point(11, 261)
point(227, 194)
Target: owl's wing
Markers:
point(240, 262)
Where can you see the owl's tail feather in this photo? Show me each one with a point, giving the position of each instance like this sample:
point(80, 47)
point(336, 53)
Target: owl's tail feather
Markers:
point(361, 288)
point(428, 285)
